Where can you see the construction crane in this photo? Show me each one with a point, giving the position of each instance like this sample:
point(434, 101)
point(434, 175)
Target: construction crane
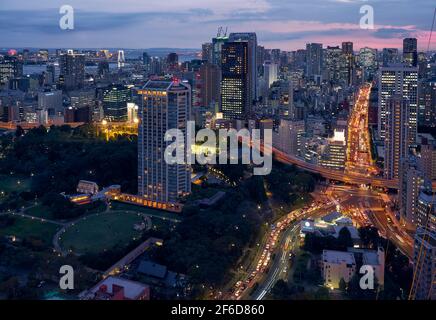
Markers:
point(221, 33)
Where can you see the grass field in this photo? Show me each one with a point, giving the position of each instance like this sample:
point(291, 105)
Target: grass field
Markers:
point(9, 183)
point(101, 232)
point(39, 211)
point(25, 227)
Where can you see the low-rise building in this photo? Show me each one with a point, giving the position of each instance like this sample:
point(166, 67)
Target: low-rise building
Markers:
point(116, 288)
point(337, 265)
point(87, 187)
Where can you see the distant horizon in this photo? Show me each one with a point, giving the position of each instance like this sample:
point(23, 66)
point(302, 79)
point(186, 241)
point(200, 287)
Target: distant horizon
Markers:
point(355, 49)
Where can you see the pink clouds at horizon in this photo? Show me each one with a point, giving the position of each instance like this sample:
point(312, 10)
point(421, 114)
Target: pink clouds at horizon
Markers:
point(351, 32)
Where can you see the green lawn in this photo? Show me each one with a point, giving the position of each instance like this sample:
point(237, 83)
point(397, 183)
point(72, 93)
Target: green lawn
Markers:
point(26, 227)
point(9, 183)
point(39, 211)
point(101, 232)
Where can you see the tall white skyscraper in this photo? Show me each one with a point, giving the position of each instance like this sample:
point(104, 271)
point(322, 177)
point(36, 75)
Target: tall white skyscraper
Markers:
point(403, 81)
point(165, 105)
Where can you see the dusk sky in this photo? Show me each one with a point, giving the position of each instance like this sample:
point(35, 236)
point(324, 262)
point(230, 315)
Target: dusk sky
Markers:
point(284, 24)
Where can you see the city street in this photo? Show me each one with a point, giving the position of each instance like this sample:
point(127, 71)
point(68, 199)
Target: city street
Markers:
point(363, 205)
point(359, 157)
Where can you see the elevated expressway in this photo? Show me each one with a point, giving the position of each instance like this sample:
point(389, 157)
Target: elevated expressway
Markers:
point(349, 177)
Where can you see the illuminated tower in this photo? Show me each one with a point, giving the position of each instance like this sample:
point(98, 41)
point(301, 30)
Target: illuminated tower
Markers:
point(72, 70)
point(251, 39)
point(410, 51)
point(403, 81)
point(235, 84)
point(165, 105)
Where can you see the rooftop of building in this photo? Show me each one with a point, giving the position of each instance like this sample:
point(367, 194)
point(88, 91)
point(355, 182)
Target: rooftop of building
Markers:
point(152, 269)
point(132, 289)
point(164, 85)
point(338, 257)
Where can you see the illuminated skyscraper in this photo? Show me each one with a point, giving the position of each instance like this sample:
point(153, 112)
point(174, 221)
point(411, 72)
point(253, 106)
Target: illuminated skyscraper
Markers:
point(251, 39)
point(402, 81)
point(410, 51)
point(411, 181)
point(332, 60)
point(235, 80)
point(390, 56)
point(72, 70)
point(10, 67)
point(348, 62)
point(314, 57)
point(165, 105)
point(115, 99)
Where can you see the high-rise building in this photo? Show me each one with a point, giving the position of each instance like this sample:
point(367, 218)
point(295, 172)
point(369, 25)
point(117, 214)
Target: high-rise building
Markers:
point(10, 67)
point(51, 73)
point(115, 99)
point(347, 48)
point(207, 52)
point(286, 96)
point(390, 56)
point(210, 84)
point(217, 44)
point(426, 210)
point(411, 182)
point(172, 61)
point(289, 137)
point(403, 81)
point(251, 39)
point(314, 57)
point(235, 81)
point(270, 72)
point(423, 66)
point(368, 61)
point(396, 135)
point(72, 70)
point(335, 153)
point(51, 101)
point(165, 105)
point(427, 103)
point(146, 61)
point(261, 58)
point(424, 265)
point(102, 69)
point(427, 157)
point(348, 62)
point(332, 63)
point(410, 51)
